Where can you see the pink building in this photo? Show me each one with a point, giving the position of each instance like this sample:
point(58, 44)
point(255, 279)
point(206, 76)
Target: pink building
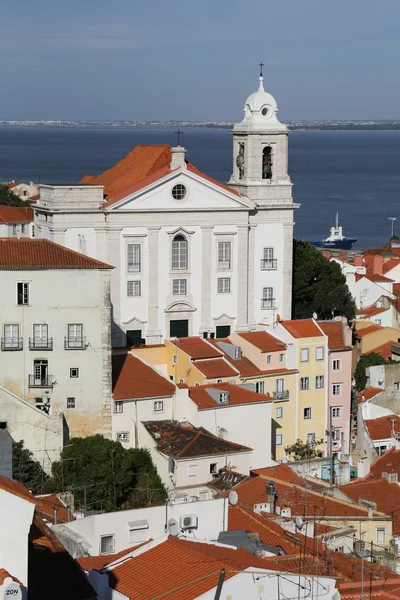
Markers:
point(339, 381)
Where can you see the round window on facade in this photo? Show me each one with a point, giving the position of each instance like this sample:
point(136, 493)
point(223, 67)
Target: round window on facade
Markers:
point(264, 111)
point(179, 191)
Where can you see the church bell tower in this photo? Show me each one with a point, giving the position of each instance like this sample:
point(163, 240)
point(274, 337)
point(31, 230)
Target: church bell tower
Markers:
point(260, 152)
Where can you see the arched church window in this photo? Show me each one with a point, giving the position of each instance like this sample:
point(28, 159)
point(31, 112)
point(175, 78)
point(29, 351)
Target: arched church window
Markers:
point(179, 253)
point(267, 163)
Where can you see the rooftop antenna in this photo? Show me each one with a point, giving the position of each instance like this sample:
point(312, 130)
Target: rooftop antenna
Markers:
point(179, 133)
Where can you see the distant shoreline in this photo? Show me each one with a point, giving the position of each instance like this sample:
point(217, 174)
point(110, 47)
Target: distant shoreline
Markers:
point(195, 125)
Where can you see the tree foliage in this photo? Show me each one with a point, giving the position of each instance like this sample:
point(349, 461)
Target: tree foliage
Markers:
point(318, 285)
point(114, 477)
point(27, 470)
point(365, 361)
point(8, 198)
point(302, 451)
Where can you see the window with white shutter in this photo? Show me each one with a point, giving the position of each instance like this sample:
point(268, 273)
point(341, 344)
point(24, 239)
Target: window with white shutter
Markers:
point(133, 251)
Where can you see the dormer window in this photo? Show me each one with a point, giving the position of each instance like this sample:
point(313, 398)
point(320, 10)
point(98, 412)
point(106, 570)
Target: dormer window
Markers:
point(267, 163)
point(223, 397)
point(238, 353)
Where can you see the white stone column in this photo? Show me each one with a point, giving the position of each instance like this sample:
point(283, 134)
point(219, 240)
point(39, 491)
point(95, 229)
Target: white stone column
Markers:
point(153, 333)
point(58, 235)
point(285, 302)
point(115, 259)
point(253, 267)
point(242, 278)
point(102, 243)
point(206, 253)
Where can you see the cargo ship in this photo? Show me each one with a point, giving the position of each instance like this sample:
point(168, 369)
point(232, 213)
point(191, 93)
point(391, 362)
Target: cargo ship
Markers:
point(336, 240)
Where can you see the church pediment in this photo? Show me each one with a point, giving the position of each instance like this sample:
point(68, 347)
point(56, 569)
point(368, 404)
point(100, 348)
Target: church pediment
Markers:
point(180, 307)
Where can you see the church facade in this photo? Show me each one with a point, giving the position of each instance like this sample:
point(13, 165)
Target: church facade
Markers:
point(191, 255)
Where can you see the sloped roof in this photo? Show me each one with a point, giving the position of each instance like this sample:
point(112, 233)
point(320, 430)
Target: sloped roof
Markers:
point(367, 394)
point(99, 562)
point(237, 395)
point(384, 350)
point(390, 264)
point(132, 378)
point(283, 472)
point(16, 214)
point(39, 254)
point(196, 348)
point(361, 332)
point(215, 368)
point(385, 495)
point(374, 277)
point(263, 341)
point(370, 311)
point(381, 428)
point(186, 441)
point(334, 331)
point(302, 328)
point(388, 463)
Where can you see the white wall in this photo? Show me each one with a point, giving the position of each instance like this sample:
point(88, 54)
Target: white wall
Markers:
point(16, 517)
point(212, 518)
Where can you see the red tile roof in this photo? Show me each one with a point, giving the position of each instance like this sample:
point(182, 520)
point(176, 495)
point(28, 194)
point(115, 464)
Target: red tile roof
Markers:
point(216, 368)
point(381, 428)
point(390, 264)
point(280, 471)
point(99, 562)
point(301, 501)
point(374, 277)
point(334, 331)
point(196, 348)
point(385, 495)
point(16, 214)
point(384, 350)
point(13, 185)
point(367, 394)
point(362, 331)
point(237, 395)
point(263, 341)
point(302, 328)
point(36, 254)
point(132, 378)
point(388, 463)
point(370, 311)
point(196, 171)
point(178, 569)
point(186, 441)
point(244, 365)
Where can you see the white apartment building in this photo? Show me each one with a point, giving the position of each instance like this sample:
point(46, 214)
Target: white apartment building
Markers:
point(192, 256)
point(55, 357)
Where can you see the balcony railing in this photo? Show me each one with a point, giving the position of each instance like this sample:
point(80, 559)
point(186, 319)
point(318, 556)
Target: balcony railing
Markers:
point(284, 395)
point(75, 343)
point(269, 265)
point(39, 382)
point(12, 343)
point(268, 303)
point(41, 343)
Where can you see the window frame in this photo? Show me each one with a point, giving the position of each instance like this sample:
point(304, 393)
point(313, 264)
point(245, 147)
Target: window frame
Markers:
point(338, 361)
point(319, 378)
point(158, 406)
point(118, 404)
point(13, 341)
point(313, 439)
point(337, 408)
point(378, 531)
point(307, 418)
point(307, 354)
point(134, 266)
point(223, 285)
point(306, 379)
point(279, 436)
point(192, 470)
point(280, 410)
point(25, 293)
point(108, 535)
point(177, 286)
point(71, 402)
point(77, 373)
point(179, 242)
point(135, 284)
point(339, 386)
point(224, 255)
point(260, 387)
point(214, 468)
point(282, 358)
point(319, 351)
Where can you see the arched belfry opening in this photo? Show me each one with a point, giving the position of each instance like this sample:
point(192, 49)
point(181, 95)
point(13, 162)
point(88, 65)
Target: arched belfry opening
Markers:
point(267, 163)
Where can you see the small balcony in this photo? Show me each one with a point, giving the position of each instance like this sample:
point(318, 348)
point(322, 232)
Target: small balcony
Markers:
point(41, 343)
point(284, 395)
point(269, 265)
point(75, 343)
point(268, 303)
point(12, 343)
point(46, 381)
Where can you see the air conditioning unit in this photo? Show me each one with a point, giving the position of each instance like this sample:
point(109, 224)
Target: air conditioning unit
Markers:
point(188, 522)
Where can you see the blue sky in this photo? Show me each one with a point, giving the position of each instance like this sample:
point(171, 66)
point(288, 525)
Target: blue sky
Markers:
point(185, 59)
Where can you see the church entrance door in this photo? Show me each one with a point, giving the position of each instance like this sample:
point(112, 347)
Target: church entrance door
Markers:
point(179, 328)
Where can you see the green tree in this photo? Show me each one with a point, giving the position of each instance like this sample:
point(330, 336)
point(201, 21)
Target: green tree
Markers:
point(318, 285)
point(111, 474)
point(302, 451)
point(366, 360)
point(27, 470)
point(8, 198)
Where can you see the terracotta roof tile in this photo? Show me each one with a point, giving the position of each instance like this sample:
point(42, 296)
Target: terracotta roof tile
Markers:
point(374, 277)
point(384, 350)
point(280, 471)
point(196, 171)
point(362, 331)
point(263, 341)
point(334, 331)
point(132, 378)
point(381, 428)
point(186, 441)
point(370, 311)
point(16, 214)
point(237, 395)
point(390, 264)
point(99, 562)
point(302, 328)
point(367, 394)
point(196, 348)
point(385, 495)
point(36, 254)
point(139, 185)
point(388, 463)
point(215, 368)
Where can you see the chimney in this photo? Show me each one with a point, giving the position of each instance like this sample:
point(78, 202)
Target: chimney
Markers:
point(178, 158)
point(358, 261)
point(378, 265)
point(271, 496)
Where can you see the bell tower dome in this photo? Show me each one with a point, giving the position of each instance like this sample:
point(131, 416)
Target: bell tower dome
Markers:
point(260, 152)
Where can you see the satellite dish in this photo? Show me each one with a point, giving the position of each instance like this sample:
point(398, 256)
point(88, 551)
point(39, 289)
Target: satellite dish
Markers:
point(233, 498)
point(173, 527)
point(299, 522)
point(314, 316)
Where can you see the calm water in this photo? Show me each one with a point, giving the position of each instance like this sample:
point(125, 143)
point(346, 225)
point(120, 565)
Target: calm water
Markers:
point(355, 173)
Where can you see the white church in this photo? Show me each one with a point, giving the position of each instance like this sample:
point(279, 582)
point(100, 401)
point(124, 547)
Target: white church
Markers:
point(191, 255)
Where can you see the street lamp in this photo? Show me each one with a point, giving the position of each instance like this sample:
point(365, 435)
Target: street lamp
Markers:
point(393, 219)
